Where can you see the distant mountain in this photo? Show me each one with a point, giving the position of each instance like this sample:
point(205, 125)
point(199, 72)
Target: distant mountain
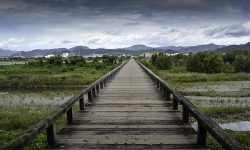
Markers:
point(4, 52)
point(83, 50)
point(132, 50)
point(41, 52)
point(199, 48)
point(233, 47)
point(193, 49)
point(79, 48)
point(138, 48)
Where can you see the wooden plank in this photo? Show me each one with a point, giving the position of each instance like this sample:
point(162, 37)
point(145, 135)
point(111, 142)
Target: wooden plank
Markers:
point(132, 146)
point(130, 113)
point(128, 139)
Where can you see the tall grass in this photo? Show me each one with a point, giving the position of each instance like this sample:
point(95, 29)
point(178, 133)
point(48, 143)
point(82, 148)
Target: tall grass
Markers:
point(47, 76)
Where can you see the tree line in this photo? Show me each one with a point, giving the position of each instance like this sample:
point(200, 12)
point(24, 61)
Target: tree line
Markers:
point(205, 62)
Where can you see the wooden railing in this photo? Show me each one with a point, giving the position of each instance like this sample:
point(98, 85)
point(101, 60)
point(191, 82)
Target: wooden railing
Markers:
point(205, 124)
point(49, 123)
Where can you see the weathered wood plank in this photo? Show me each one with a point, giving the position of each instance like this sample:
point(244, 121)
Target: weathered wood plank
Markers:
point(130, 113)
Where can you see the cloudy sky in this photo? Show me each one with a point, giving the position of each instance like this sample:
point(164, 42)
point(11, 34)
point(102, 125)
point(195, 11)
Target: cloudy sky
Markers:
point(31, 24)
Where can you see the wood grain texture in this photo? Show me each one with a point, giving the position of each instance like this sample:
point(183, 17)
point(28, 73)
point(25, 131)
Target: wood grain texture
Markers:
point(130, 113)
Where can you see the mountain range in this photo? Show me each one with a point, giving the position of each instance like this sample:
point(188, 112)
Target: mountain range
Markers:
point(132, 50)
point(5, 52)
point(231, 47)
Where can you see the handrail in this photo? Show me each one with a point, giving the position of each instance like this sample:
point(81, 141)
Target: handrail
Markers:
point(205, 124)
point(48, 123)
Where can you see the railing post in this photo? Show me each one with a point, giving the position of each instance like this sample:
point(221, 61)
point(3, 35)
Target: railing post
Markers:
point(90, 96)
point(93, 92)
point(175, 103)
point(97, 88)
point(185, 114)
point(51, 135)
point(101, 84)
point(157, 83)
point(81, 103)
point(105, 82)
point(160, 86)
point(70, 116)
point(202, 135)
point(164, 91)
point(168, 95)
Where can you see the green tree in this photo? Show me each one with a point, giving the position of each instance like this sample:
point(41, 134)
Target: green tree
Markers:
point(207, 62)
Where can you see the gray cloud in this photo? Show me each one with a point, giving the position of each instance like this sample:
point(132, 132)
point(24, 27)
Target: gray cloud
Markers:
point(68, 42)
point(111, 23)
point(235, 30)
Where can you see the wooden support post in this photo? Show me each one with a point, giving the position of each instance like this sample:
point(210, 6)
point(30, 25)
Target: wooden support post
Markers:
point(51, 135)
point(164, 91)
point(93, 92)
point(82, 103)
point(202, 135)
point(90, 96)
point(185, 114)
point(70, 116)
point(101, 85)
point(175, 103)
point(161, 89)
point(105, 82)
point(168, 95)
point(157, 84)
point(97, 88)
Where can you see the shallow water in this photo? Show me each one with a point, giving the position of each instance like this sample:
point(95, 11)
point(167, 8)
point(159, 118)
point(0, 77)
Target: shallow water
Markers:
point(235, 126)
point(229, 86)
point(49, 97)
point(219, 101)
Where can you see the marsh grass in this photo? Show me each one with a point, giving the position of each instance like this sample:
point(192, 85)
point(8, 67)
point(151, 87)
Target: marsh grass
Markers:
point(215, 94)
point(241, 136)
point(227, 113)
point(15, 120)
point(24, 76)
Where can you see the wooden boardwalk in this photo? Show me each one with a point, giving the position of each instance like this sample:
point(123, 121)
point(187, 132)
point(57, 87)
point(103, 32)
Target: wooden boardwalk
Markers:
point(130, 113)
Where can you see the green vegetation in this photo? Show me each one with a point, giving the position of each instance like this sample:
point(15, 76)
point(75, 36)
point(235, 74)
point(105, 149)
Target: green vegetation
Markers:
point(206, 69)
point(181, 77)
point(161, 61)
point(241, 136)
point(205, 62)
point(13, 122)
point(208, 62)
point(42, 73)
point(227, 113)
point(55, 72)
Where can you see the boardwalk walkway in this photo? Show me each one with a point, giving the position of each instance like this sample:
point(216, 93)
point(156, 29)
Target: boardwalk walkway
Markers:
point(129, 113)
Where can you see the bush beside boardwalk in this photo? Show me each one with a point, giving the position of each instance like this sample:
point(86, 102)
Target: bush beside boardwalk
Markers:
point(206, 69)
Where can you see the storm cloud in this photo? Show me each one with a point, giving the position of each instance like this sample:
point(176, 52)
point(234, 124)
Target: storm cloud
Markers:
point(112, 23)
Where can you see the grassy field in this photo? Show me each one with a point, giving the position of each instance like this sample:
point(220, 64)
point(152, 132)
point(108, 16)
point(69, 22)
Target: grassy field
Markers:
point(25, 76)
point(13, 122)
point(215, 86)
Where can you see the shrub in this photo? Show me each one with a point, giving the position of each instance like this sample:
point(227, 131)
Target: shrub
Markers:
point(161, 61)
point(242, 63)
point(207, 62)
point(99, 66)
